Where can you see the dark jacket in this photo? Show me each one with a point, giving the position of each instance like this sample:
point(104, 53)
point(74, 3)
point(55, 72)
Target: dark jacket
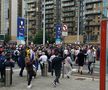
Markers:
point(57, 63)
point(9, 63)
point(29, 67)
point(21, 59)
point(80, 59)
point(2, 59)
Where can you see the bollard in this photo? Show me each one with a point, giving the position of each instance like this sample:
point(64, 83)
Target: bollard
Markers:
point(8, 76)
point(45, 69)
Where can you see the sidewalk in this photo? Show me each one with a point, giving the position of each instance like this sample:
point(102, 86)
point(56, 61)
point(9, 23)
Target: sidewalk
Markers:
point(45, 83)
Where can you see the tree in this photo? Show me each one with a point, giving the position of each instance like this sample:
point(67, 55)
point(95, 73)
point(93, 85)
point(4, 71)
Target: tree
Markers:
point(38, 39)
point(7, 38)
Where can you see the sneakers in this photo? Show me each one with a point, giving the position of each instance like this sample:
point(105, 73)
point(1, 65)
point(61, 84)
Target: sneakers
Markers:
point(54, 84)
point(29, 86)
point(68, 77)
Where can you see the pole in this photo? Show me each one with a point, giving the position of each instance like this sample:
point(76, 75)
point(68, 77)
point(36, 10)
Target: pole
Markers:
point(27, 29)
point(27, 22)
point(78, 23)
point(44, 24)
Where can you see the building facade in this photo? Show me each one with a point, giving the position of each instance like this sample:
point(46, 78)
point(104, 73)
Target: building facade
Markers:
point(93, 15)
point(33, 13)
point(69, 15)
point(4, 16)
point(8, 18)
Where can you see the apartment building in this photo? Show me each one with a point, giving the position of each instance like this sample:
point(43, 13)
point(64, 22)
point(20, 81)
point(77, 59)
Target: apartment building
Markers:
point(8, 18)
point(60, 12)
point(93, 15)
point(50, 15)
point(69, 16)
point(33, 13)
point(20, 8)
point(105, 9)
point(4, 6)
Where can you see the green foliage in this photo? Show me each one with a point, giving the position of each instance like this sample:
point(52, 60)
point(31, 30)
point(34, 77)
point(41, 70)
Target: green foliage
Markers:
point(7, 38)
point(38, 39)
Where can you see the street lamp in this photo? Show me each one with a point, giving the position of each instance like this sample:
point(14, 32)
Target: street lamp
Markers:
point(78, 22)
point(26, 20)
point(44, 22)
point(27, 28)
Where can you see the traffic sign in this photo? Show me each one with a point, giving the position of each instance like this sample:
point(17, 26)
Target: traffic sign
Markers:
point(64, 30)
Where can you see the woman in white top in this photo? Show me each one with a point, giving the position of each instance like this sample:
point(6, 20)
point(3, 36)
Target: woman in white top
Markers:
point(68, 66)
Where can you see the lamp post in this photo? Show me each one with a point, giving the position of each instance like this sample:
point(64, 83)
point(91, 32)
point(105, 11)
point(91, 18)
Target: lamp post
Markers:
point(26, 21)
point(44, 23)
point(78, 22)
point(27, 28)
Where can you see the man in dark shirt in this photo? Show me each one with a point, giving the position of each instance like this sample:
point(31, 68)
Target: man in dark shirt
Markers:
point(57, 65)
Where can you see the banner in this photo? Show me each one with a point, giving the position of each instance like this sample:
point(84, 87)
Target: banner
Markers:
point(58, 33)
point(20, 28)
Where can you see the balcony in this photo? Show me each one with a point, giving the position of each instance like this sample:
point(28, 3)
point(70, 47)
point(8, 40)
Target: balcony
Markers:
point(89, 19)
point(68, 4)
point(49, 17)
point(95, 12)
point(89, 7)
point(31, 1)
point(49, 7)
point(93, 1)
point(31, 10)
point(49, 2)
point(49, 12)
point(68, 15)
point(64, 1)
point(68, 10)
point(32, 19)
point(92, 24)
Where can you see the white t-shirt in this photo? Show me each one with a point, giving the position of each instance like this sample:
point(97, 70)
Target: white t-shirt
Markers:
point(51, 58)
point(43, 58)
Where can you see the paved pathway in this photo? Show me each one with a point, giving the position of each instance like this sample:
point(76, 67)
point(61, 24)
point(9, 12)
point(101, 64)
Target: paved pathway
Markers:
point(45, 83)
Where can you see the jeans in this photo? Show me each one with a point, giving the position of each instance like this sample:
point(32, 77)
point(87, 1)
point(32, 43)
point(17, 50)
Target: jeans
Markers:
point(29, 77)
point(21, 71)
point(89, 66)
point(57, 74)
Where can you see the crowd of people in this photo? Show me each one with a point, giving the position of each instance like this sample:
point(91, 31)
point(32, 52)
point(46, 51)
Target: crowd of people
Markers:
point(51, 58)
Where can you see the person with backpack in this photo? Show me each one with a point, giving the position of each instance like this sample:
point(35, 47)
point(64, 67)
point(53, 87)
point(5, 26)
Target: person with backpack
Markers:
point(30, 71)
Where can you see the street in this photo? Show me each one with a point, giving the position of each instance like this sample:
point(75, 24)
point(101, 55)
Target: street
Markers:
point(75, 82)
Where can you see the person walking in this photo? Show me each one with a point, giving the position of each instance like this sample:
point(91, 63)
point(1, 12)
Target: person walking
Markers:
point(80, 58)
point(30, 71)
point(21, 61)
point(56, 66)
point(68, 66)
point(43, 64)
point(90, 60)
point(2, 60)
point(9, 64)
point(50, 60)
